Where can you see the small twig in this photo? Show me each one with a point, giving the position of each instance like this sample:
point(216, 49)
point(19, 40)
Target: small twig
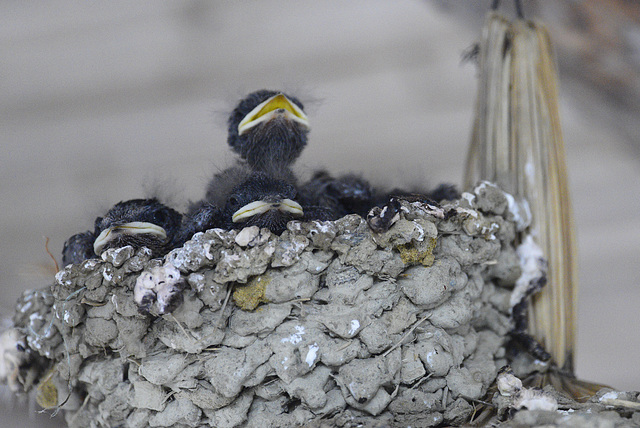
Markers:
point(78, 412)
point(169, 395)
point(187, 335)
point(395, 391)
point(475, 400)
point(404, 336)
point(445, 392)
point(621, 403)
point(131, 360)
point(46, 247)
point(473, 415)
point(422, 379)
point(345, 346)
point(224, 306)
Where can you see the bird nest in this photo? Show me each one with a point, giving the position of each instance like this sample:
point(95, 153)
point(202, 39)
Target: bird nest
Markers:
point(329, 322)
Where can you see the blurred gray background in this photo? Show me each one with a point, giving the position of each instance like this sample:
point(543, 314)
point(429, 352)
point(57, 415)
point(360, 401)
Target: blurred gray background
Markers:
point(108, 101)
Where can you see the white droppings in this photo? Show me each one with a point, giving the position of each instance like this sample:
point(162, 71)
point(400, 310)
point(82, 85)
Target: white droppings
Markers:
point(611, 395)
point(247, 235)
point(296, 337)
point(207, 250)
point(520, 211)
point(529, 170)
point(430, 356)
point(26, 307)
point(228, 258)
point(469, 197)
point(483, 185)
point(321, 226)
point(534, 399)
point(312, 354)
point(469, 212)
point(355, 325)
point(159, 285)
point(60, 278)
point(35, 316)
point(508, 384)
point(351, 387)
point(533, 265)
point(90, 264)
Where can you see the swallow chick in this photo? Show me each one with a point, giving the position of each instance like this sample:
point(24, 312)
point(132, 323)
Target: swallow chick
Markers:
point(208, 213)
point(201, 217)
point(347, 194)
point(137, 222)
point(268, 129)
point(262, 201)
point(251, 198)
point(78, 248)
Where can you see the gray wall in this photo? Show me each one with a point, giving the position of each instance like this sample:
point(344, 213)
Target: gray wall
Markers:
point(107, 101)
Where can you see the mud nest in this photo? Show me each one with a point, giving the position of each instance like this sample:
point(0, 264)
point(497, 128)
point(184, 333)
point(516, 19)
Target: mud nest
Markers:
point(328, 324)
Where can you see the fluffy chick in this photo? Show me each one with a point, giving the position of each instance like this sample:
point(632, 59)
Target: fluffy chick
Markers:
point(268, 129)
point(136, 222)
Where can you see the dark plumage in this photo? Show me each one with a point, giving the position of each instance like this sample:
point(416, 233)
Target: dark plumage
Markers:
point(347, 194)
point(201, 217)
point(351, 194)
point(249, 198)
point(268, 129)
point(444, 191)
point(262, 201)
point(137, 222)
point(78, 248)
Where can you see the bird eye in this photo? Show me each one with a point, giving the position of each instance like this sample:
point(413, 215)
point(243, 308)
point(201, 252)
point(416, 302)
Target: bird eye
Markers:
point(159, 217)
point(233, 201)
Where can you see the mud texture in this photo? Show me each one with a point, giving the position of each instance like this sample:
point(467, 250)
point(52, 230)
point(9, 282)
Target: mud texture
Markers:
point(329, 324)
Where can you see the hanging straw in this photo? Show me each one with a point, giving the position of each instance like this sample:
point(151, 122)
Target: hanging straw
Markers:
point(517, 143)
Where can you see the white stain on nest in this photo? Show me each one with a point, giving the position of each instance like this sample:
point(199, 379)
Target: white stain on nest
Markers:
point(520, 211)
point(312, 354)
point(355, 325)
point(533, 266)
point(321, 227)
point(469, 197)
point(295, 337)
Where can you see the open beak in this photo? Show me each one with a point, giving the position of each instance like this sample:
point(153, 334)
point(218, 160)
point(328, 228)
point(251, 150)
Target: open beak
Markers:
point(259, 207)
point(133, 228)
point(267, 110)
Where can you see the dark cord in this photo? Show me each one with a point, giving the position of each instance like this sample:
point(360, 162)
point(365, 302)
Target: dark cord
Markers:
point(519, 10)
point(518, 4)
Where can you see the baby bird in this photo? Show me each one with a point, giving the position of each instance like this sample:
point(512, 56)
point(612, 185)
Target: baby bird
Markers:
point(262, 201)
point(137, 222)
point(268, 129)
point(239, 197)
point(346, 194)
